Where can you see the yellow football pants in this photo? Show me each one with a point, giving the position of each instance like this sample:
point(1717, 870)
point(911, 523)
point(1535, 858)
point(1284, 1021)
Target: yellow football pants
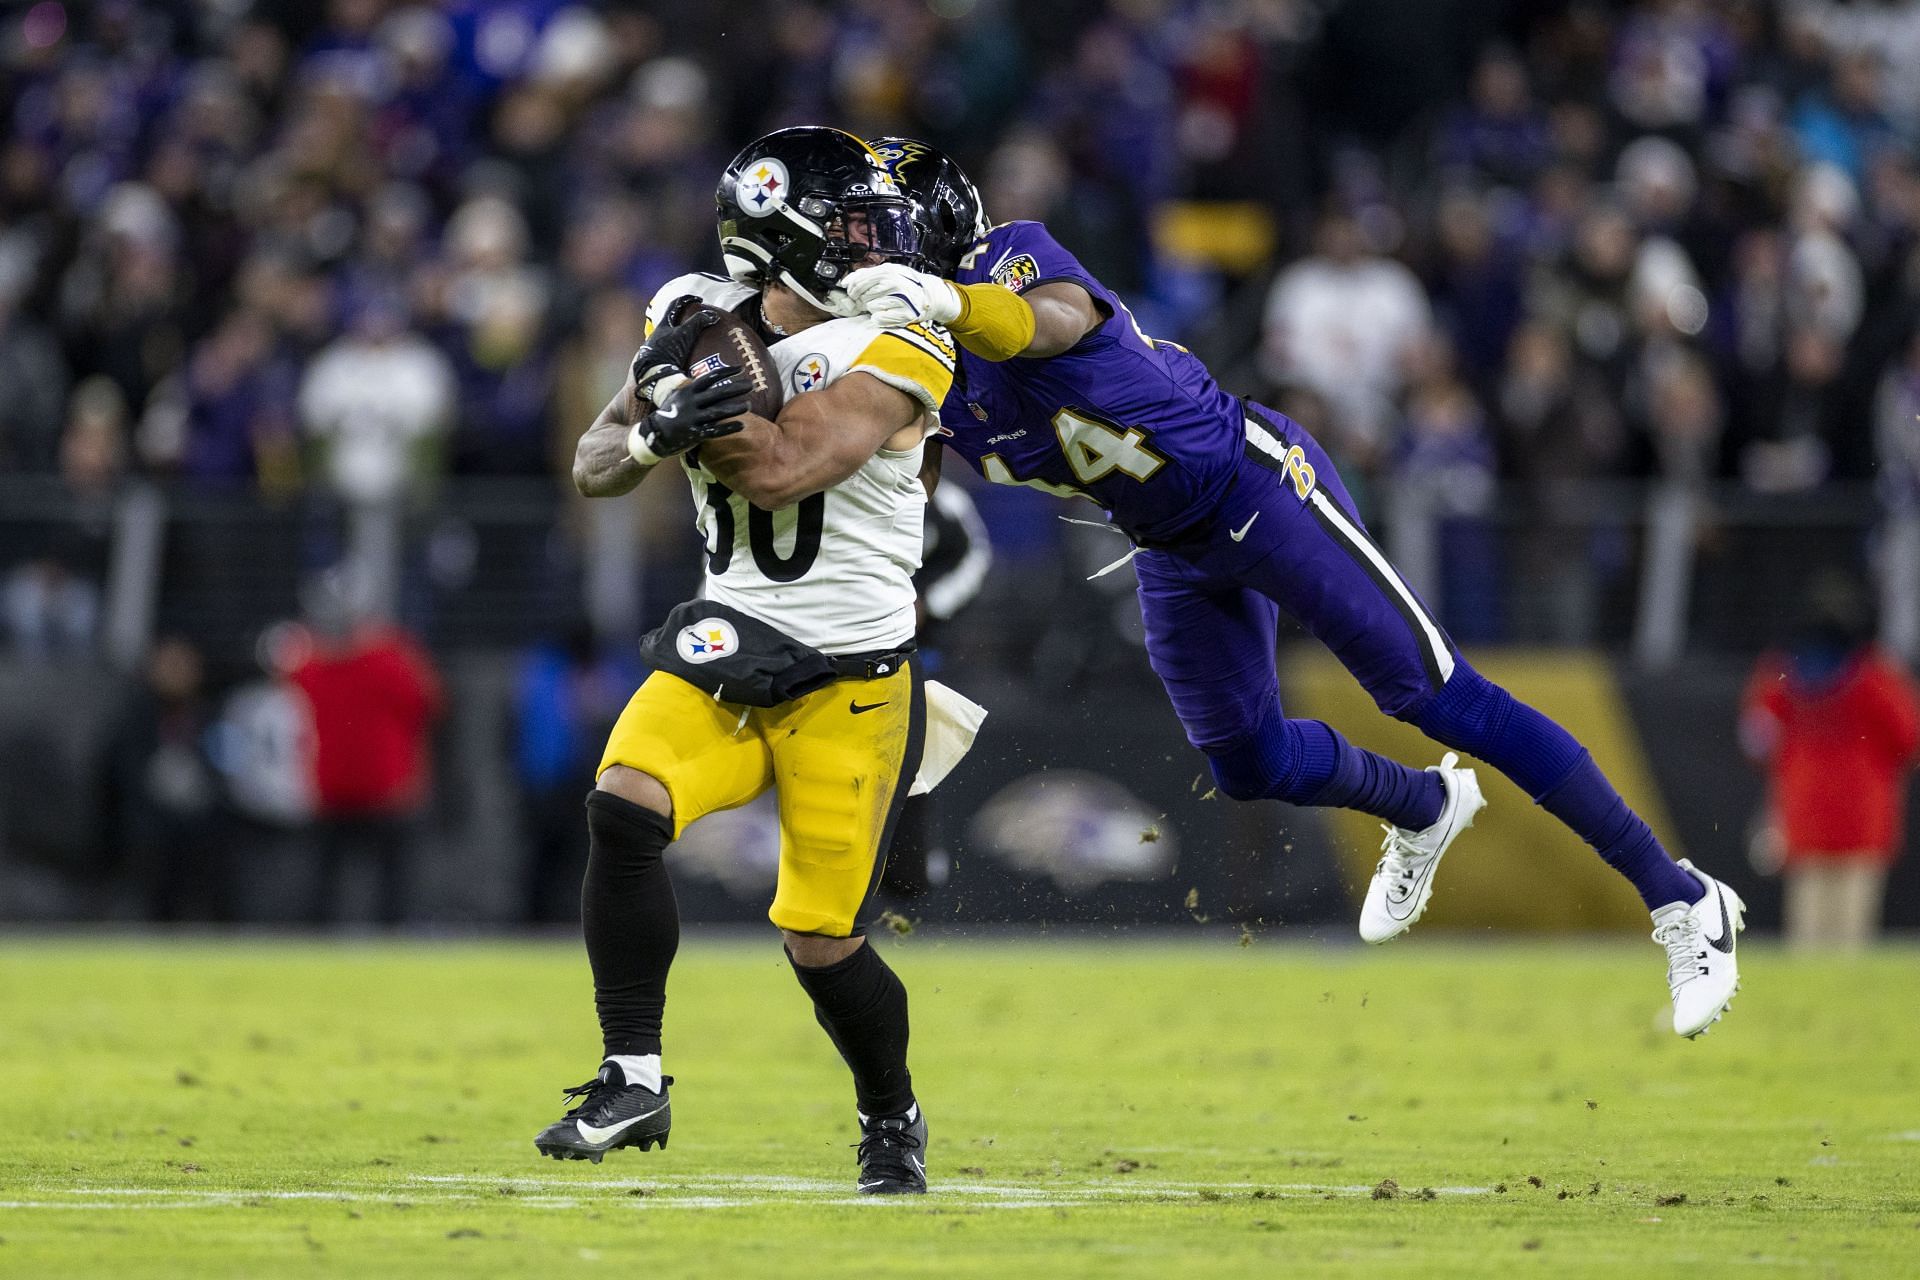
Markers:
point(841, 760)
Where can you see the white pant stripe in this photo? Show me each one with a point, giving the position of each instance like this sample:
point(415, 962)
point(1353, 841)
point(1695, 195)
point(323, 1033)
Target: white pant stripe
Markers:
point(1358, 541)
point(1265, 441)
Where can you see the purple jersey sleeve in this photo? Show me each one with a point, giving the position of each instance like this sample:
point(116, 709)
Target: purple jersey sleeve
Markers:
point(1057, 422)
point(1021, 255)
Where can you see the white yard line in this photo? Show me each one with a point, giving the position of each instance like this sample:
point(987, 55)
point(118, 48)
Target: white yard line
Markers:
point(708, 1191)
point(1123, 1187)
point(102, 1204)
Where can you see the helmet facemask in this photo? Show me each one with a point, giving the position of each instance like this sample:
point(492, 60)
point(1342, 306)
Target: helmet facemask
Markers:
point(812, 218)
point(860, 233)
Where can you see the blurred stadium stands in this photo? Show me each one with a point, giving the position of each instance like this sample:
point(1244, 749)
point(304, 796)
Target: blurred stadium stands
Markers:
point(1610, 312)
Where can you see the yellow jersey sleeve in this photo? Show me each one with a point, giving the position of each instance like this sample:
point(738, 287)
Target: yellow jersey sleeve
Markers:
point(917, 360)
point(662, 297)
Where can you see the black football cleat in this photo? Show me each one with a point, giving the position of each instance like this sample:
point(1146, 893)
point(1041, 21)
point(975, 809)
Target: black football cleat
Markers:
point(893, 1154)
point(610, 1114)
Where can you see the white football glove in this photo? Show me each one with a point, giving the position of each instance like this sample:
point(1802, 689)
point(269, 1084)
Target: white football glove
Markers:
point(897, 296)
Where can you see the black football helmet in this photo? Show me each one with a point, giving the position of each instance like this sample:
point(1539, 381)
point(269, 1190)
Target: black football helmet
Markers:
point(793, 206)
point(947, 206)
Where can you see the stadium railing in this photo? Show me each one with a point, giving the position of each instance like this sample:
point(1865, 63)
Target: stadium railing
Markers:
point(1657, 570)
point(1654, 571)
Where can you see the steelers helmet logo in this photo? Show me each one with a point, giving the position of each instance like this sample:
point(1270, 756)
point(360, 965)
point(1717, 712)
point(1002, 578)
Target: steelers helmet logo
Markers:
point(707, 640)
point(761, 188)
point(810, 374)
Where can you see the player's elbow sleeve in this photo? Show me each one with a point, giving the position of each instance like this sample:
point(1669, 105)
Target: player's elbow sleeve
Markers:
point(997, 323)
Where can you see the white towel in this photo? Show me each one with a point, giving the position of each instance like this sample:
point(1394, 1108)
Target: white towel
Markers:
point(952, 721)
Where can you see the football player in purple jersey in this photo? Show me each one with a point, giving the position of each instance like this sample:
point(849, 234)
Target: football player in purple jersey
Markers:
point(1236, 513)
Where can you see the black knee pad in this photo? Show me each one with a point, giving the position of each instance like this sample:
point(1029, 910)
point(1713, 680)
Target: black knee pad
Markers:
point(633, 834)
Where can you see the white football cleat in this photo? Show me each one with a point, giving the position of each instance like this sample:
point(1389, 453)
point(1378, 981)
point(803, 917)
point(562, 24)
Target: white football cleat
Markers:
point(1403, 881)
point(1701, 969)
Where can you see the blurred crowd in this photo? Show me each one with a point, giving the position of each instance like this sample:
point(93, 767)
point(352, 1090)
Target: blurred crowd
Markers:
point(348, 247)
point(358, 244)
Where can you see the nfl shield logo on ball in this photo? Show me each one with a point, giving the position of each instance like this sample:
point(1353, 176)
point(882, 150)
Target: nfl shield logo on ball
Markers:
point(708, 639)
point(705, 365)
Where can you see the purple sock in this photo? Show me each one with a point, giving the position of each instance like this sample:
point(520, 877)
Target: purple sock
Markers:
point(1306, 762)
point(1587, 802)
point(1387, 789)
point(1477, 716)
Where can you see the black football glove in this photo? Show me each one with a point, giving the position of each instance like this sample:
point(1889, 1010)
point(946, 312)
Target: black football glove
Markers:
point(705, 408)
point(670, 345)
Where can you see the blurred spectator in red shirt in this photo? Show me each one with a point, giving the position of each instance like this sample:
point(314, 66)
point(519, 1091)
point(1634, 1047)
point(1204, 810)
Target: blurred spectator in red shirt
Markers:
point(374, 696)
point(1835, 722)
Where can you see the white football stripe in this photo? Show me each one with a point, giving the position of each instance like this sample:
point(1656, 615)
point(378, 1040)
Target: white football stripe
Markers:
point(1265, 441)
point(1437, 643)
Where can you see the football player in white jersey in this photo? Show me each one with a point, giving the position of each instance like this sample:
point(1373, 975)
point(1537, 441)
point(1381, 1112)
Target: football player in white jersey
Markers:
point(812, 527)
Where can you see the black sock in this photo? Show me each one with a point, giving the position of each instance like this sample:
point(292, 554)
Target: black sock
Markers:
point(863, 1006)
point(631, 921)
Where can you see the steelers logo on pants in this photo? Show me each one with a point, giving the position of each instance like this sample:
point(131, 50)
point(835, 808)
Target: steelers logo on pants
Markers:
point(707, 639)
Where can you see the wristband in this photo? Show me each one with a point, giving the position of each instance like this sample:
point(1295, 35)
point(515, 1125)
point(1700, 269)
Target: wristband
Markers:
point(638, 447)
point(662, 384)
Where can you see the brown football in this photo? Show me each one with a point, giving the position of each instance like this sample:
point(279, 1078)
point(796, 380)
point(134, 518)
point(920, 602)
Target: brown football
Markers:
point(730, 340)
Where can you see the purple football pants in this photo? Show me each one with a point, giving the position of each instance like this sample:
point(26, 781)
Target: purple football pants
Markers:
point(1286, 536)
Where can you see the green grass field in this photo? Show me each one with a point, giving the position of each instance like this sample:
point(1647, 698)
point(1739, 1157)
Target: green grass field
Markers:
point(1135, 1108)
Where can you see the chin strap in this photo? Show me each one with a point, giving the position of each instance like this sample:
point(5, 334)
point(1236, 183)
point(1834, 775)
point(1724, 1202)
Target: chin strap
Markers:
point(836, 303)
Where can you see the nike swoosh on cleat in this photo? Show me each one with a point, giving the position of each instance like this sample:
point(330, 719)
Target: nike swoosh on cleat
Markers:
point(865, 1185)
point(595, 1135)
point(1241, 532)
point(1402, 908)
point(854, 706)
point(1724, 943)
point(1426, 872)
